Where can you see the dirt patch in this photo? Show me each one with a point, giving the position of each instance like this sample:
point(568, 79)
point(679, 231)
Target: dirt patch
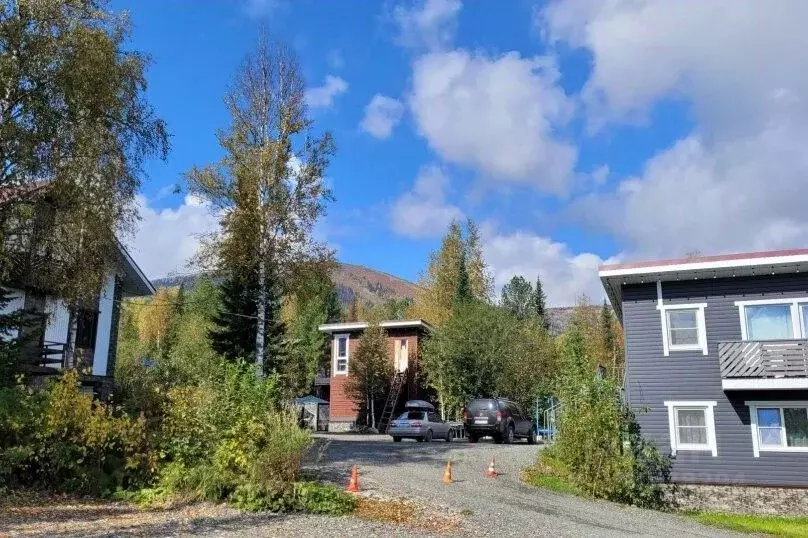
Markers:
point(406, 513)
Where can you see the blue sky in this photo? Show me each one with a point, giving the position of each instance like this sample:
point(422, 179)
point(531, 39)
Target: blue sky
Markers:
point(573, 132)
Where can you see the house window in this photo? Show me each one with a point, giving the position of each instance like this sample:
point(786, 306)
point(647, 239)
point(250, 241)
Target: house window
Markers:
point(779, 427)
point(692, 426)
point(341, 352)
point(683, 328)
point(774, 319)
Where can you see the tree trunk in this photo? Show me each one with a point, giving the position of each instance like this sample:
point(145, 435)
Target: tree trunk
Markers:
point(372, 412)
point(261, 303)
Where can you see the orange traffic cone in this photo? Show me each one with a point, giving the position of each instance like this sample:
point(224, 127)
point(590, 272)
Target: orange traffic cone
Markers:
point(447, 475)
point(491, 471)
point(353, 486)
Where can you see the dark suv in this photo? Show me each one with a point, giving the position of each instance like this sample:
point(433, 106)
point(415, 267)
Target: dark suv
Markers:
point(498, 418)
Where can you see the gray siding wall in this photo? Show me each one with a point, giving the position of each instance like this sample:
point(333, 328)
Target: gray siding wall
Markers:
point(652, 378)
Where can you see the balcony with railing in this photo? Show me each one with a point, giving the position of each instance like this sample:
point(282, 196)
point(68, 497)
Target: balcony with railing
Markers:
point(764, 365)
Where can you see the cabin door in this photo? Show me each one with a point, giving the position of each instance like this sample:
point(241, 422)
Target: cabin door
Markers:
point(402, 355)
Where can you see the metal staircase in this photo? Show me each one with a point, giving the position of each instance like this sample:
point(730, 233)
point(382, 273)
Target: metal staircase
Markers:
point(392, 399)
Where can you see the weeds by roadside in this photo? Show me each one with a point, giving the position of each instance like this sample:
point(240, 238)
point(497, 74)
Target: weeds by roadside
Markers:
point(773, 525)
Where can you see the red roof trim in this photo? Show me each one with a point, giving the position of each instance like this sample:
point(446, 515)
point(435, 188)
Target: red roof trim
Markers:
point(705, 259)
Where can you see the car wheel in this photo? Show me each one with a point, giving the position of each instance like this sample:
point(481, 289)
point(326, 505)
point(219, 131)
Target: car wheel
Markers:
point(428, 436)
point(531, 439)
point(396, 439)
point(509, 435)
point(471, 438)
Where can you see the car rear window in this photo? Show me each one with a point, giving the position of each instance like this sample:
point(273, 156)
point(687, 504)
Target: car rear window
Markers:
point(482, 405)
point(412, 415)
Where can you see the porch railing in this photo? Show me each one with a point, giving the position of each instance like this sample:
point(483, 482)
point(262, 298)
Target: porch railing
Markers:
point(764, 359)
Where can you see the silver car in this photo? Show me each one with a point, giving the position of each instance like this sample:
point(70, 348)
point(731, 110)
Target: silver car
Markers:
point(419, 422)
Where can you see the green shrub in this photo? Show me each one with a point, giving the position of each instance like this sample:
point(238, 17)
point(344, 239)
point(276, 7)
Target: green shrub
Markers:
point(599, 448)
point(62, 439)
point(323, 499)
point(228, 439)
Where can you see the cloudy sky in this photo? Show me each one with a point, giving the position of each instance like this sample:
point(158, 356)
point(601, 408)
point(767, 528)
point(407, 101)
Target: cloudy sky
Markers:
point(573, 132)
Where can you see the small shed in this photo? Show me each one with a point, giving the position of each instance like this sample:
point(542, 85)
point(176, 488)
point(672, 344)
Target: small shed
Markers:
point(312, 413)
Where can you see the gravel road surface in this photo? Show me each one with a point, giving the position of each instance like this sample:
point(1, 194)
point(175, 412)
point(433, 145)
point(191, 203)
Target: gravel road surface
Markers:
point(501, 506)
point(483, 506)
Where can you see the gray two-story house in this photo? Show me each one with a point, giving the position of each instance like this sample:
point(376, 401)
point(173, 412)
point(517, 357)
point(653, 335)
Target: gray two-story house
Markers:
point(717, 363)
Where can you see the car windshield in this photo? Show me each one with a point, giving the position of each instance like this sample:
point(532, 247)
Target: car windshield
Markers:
point(482, 405)
point(412, 415)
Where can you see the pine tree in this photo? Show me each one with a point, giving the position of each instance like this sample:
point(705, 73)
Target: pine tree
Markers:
point(539, 304)
point(275, 346)
point(353, 310)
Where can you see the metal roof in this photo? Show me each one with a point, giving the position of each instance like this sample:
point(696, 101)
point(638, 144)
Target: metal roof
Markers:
point(614, 276)
point(362, 325)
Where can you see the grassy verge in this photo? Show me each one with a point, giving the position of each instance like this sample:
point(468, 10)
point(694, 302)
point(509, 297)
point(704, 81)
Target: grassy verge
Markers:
point(541, 476)
point(773, 525)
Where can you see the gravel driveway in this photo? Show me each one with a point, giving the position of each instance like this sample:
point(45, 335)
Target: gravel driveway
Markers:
point(501, 506)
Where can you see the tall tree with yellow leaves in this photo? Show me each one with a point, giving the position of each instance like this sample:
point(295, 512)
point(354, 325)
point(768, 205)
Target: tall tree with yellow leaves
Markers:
point(435, 298)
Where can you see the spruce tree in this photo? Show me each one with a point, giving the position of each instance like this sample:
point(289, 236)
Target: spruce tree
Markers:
point(234, 328)
point(539, 303)
point(607, 329)
point(9, 344)
point(463, 292)
point(233, 332)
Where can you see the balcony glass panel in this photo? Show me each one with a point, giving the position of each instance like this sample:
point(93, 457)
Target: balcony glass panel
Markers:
point(769, 322)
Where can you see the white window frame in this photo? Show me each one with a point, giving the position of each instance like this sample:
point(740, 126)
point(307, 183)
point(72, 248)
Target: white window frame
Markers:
point(796, 314)
point(701, 324)
point(753, 408)
point(709, 419)
point(335, 353)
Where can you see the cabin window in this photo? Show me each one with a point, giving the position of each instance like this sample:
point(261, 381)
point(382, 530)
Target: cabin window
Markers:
point(692, 426)
point(341, 352)
point(774, 319)
point(779, 427)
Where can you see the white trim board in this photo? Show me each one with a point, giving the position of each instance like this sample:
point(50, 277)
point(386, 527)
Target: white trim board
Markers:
point(785, 383)
point(709, 418)
point(361, 325)
point(697, 266)
point(701, 324)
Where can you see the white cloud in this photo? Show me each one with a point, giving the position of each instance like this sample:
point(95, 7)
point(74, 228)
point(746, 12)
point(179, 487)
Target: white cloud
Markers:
point(323, 96)
point(431, 24)
point(424, 211)
point(497, 114)
point(736, 181)
point(382, 114)
point(565, 275)
point(168, 238)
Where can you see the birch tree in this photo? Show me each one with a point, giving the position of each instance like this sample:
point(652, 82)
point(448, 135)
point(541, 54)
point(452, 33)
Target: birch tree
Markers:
point(268, 188)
